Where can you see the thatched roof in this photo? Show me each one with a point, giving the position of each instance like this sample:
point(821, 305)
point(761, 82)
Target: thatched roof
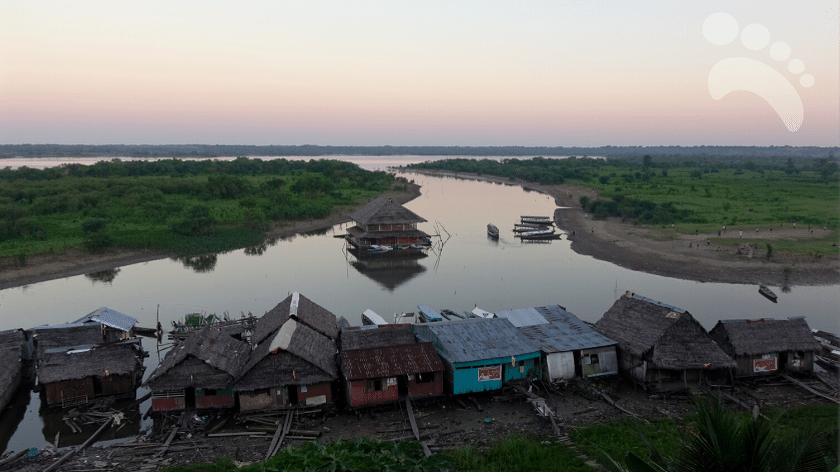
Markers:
point(383, 210)
point(752, 337)
point(11, 353)
point(475, 339)
point(48, 337)
point(384, 335)
point(295, 355)
point(300, 308)
point(208, 358)
point(78, 362)
point(390, 361)
point(665, 335)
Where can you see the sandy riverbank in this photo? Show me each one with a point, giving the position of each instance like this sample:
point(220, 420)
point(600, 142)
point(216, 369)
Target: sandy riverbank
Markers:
point(77, 261)
point(668, 254)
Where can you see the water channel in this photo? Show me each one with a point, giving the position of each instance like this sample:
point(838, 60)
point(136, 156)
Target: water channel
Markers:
point(465, 269)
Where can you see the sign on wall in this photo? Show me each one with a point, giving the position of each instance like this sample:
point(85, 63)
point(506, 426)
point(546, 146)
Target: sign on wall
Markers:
point(488, 374)
point(764, 365)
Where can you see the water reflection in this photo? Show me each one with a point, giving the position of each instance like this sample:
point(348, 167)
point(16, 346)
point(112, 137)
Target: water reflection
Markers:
point(201, 264)
point(57, 421)
point(260, 249)
point(105, 276)
point(389, 270)
point(14, 413)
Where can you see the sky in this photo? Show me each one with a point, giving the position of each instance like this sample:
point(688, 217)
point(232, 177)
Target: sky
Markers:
point(437, 73)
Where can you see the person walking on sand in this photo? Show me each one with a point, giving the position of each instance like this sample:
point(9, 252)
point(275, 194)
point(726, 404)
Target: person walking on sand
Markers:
point(740, 233)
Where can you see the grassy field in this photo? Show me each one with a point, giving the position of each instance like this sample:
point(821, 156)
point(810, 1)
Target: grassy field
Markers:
point(173, 206)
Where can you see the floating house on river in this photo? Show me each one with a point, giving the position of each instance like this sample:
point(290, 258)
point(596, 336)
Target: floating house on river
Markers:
point(385, 364)
point(293, 361)
point(384, 222)
point(100, 326)
point(480, 354)
point(199, 372)
point(660, 345)
point(73, 375)
point(767, 346)
point(571, 348)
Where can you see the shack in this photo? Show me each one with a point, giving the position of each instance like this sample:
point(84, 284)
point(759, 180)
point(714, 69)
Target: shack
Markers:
point(662, 346)
point(767, 346)
point(75, 375)
point(114, 325)
point(15, 349)
point(100, 326)
point(296, 366)
point(570, 347)
point(384, 222)
point(293, 361)
point(479, 354)
point(198, 372)
point(384, 364)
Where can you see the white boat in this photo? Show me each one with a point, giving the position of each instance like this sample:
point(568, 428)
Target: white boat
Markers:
point(478, 312)
point(406, 318)
point(540, 234)
point(369, 317)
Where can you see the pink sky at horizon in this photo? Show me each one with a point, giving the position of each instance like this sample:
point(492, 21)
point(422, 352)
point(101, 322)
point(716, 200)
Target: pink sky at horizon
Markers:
point(373, 73)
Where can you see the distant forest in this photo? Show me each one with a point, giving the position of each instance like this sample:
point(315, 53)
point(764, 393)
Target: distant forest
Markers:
point(771, 153)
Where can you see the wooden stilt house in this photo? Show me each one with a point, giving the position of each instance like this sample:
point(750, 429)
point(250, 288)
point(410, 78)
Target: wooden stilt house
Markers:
point(570, 347)
point(767, 346)
point(198, 372)
point(75, 375)
point(293, 361)
point(384, 364)
point(662, 346)
point(479, 354)
point(114, 325)
point(384, 222)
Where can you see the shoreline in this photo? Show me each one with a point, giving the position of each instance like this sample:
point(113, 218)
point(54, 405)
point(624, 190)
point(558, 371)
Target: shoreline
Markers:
point(76, 261)
point(626, 245)
point(642, 249)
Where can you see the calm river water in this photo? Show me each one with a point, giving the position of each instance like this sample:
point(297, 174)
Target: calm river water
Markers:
point(465, 269)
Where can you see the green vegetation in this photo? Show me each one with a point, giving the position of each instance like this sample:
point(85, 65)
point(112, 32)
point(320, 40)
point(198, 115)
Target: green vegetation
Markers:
point(519, 453)
point(358, 455)
point(693, 195)
point(187, 207)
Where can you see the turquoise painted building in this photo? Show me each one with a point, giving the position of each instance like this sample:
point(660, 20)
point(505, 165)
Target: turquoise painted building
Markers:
point(480, 354)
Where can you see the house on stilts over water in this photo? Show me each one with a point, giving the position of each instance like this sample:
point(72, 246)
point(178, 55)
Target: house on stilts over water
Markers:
point(385, 364)
point(767, 346)
point(293, 359)
point(662, 346)
point(199, 372)
point(384, 224)
point(570, 347)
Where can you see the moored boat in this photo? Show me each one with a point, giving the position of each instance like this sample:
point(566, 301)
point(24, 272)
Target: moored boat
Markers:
point(406, 318)
point(829, 344)
point(492, 230)
point(540, 220)
point(451, 315)
point(538, 234)
point(369, 317)
point(429, 314)
point(767, 293)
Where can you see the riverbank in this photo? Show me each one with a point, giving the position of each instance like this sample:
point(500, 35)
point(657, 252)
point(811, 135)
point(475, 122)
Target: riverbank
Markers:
point(699, 257)
point(78, 261)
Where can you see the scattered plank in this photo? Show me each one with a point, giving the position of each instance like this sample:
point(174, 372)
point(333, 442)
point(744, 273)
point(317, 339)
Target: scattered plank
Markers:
point(809, 388)
point(413, 422)
point(87, 443)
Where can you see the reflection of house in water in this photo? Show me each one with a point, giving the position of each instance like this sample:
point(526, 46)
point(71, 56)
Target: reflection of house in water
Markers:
point(384, 222)
point(390, 269)
point(15, 348)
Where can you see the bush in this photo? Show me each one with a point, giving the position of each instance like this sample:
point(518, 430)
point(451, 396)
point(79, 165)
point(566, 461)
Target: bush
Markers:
point(98, 241)
point(94, 225)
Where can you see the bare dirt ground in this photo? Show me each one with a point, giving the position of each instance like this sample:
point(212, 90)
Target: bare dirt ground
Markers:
point(446, 422)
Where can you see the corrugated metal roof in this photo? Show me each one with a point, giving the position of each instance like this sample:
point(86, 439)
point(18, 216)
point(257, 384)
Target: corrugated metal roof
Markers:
point(109, 317)
point(475, 339)
point(562, 331)
point(523, 317)
point(389, 361)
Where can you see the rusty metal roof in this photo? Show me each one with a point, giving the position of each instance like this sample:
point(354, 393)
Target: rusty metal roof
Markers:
point(390, 361)
point(555, 329)
point(475, 339)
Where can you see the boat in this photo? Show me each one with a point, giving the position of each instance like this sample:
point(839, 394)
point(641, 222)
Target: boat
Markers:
point(369, 317)
point(767, 293)
point(539, 234)
point(406, 318)
point(533, 225)
point(429, 314)
point(376, 249)
point(528, 228)
point(492, 230)
point(829, 344)
point(479, 313)
point(540, 220)
point(451, 315)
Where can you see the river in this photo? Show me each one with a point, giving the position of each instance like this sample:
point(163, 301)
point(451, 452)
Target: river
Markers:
point(464, 269)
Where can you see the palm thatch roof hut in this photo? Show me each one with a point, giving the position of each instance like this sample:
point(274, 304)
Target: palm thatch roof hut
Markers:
point(74, 334)
point(73, 375)
point(300, 309)
point(385, 222)
point(381, 364)
point(767, 346)
point(295, 365)
point(199, 372)
point(660, 345)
